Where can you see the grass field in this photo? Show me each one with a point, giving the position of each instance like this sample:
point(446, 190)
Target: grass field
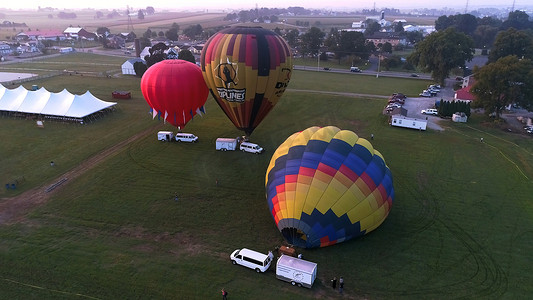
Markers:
point(460, 226)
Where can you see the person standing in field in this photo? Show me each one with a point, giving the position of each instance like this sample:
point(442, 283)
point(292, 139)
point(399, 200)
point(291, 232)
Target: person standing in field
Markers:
point(334, 283)
point(224, 294)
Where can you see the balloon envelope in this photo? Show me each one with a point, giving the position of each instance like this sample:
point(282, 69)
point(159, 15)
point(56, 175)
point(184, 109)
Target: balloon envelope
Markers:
point(175, 89)
point(326, 185)
point(247, 69)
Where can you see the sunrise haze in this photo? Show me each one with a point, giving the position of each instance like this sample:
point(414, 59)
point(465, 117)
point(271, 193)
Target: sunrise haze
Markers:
point(241, 4)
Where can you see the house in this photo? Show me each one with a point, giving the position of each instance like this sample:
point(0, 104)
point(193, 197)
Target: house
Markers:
point(386, 37)
point(197, 49)
point(464, 94)
point(403, 121)
point(5, 49)
point(79, 33)
point(127, 66)
point(115, 42)
point(51, 35)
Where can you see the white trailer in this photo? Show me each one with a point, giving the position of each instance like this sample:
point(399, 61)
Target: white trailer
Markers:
point(296, 271)
point(165, 136)
point(225, 144)
point(403, 121)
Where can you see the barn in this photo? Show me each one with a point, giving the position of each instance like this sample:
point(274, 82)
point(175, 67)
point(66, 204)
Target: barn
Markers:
point(127, 66)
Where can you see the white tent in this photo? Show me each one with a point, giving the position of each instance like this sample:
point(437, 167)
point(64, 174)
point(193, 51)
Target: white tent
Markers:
point(62, 105)
point(35, 101)
point(58, 104)
point(13, 98)
point(85, 104)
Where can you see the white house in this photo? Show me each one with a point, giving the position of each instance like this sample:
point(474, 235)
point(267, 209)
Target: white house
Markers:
point(403, 121)
point(127, 66)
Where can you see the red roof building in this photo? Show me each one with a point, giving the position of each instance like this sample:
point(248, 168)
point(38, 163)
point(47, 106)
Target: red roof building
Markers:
point(464, 94)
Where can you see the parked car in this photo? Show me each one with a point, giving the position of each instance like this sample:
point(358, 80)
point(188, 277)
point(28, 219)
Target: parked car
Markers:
point(186, 137)
point(355, 69)
point(414, 75)
point(250, 147)
point(251, 259)
point(430, 111)
point(425, 94)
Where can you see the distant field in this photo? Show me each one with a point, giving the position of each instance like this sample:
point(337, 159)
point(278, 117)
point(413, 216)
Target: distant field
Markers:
point(87, 19)
point(460, 225)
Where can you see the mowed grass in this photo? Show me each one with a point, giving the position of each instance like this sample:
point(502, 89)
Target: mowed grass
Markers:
point(460, 226)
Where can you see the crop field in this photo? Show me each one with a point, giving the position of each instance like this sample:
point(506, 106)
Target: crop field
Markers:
point(35, 20)
point(460, 226)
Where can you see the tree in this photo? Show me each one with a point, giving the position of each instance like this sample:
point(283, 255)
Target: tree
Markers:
point(102, 31)
point(414, 37)
point(193, 31)
point(187, 55)
point(157, 54)
point(465, 23)
point(442, 51)
point(140, 15)
point(443, 22)
point(517, 19)
point(139, 68)
point(292, 37)
point(511, 42)
point(150, 10)
point(386, 47)
point(144, 42)
point(312, 40)
point(172, 34)
point(99, 14)
point(148, 33)
point(484, 36)
point(506, 81)
point(372, 27)
point(398, 27)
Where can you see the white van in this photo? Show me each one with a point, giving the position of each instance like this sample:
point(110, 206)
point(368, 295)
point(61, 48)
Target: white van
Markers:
point(186, 137)
point(165, 136)
point(254, 260)
point(250, 147)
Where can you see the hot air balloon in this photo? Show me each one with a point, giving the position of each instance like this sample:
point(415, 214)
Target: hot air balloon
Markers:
point(247, 69)
point(326, 185)
point(175, 89)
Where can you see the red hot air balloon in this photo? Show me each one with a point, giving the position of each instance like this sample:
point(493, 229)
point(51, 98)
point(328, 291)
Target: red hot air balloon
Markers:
point(247, 69)
point(175, 89)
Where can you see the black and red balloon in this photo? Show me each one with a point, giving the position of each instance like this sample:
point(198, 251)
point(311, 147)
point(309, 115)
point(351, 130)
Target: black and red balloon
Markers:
point(175, 89)
point(247, 69)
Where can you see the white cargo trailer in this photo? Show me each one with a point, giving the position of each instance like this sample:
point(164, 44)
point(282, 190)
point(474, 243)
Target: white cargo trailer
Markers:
point(403, 121)
point(296, 271)
point(224, 144)
point(165, 136)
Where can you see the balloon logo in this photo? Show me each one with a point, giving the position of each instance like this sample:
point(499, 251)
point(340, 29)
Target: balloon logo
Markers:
point(175, 89)
point(326, 185)
point(247, 69)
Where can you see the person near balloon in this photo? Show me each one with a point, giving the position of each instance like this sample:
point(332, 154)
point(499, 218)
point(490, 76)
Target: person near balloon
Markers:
point(341, 285)
point(334, 283)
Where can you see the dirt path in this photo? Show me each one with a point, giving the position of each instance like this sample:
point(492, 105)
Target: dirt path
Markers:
point(14, 210)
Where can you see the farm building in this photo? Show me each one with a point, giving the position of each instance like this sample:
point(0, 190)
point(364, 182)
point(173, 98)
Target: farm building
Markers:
point(403, 121)
point(43, 104)
point(127, 66)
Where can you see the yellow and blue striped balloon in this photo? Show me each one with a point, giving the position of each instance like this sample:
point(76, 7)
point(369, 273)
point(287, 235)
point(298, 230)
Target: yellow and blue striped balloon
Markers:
point(326, 185)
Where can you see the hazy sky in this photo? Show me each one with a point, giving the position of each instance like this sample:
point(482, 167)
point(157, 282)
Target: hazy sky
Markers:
point(247, 4)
